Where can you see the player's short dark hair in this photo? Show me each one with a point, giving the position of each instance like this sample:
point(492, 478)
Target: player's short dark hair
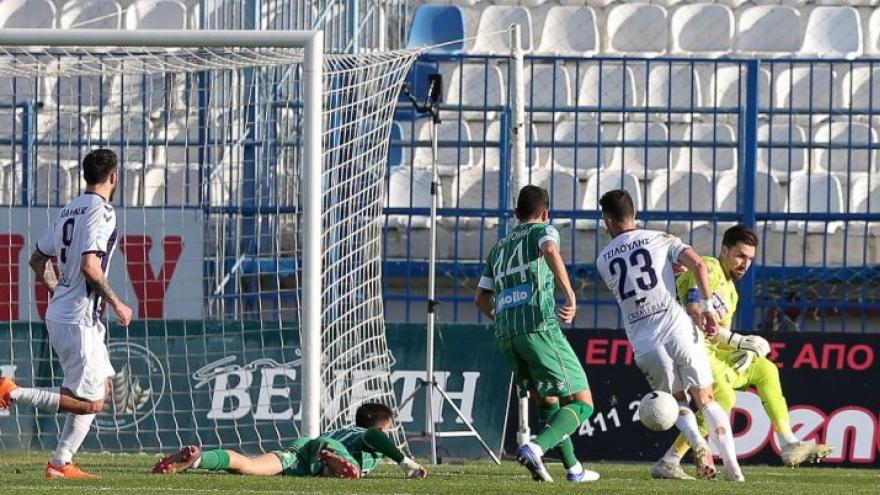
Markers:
point(739, 233)
point(370, 415)
point(98, 165)
point(530, 202)
point(617, 205)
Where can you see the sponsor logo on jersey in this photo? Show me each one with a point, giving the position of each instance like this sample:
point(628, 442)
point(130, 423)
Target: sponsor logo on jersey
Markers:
point(513, 297)
point(136, 388)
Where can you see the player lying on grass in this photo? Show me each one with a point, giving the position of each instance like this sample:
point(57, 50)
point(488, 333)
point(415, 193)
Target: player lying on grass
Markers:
point(637, 268)
point(345, 453)
point(516, 292)
point(737, 361)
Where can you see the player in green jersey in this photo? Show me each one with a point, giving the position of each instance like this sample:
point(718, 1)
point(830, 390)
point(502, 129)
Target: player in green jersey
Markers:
point(345, 453)
point(516, 292)
point(738, 361)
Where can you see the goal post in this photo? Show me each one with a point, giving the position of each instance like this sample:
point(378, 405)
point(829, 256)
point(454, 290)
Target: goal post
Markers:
point(321, 137)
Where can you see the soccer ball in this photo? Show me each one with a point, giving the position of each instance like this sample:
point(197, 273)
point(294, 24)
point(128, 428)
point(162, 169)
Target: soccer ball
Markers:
point(658, 410)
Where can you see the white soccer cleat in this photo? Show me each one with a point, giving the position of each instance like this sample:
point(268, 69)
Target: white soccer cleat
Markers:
point(668, 470)
point(705, 463)
point(734, 475)
point(585, 476)
point(799, 453)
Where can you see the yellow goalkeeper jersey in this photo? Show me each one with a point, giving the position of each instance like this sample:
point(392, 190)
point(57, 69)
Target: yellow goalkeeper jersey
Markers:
point(724, 294)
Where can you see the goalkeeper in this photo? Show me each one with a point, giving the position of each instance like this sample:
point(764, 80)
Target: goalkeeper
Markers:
point(737, 361)
point(344, 453)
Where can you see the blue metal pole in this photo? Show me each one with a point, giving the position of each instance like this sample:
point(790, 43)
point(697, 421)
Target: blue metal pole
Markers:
point(748, 177)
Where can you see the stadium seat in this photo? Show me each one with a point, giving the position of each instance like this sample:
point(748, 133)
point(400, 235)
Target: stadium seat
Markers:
point(453, 149)
point(565, 191)
point(156, 14)
point(769, 194)
point(10, 131)
point(579, 146)
point(861, 90)
point(805, 87)
point(703, 29)
point(174, 184)
point(19, 90)
point(409, 188)
point(680, 192)
point(396, 149)
point(86, 93)
point(90, 14)
point(777, 151)
point(55, 182)
point(436, 24)
point(599, 184)
point(495, 18)
point(644, 152)
point(569, 31)
point(607, 86)
point(126, 134)
point(674, 92)
point(178, 140)
point(769, 30)
point(727, 89)
point(547, 87)
point(592, 3)
point(61, 136)
point(27, 14)
point(477, 86)
point(492, 156)
point(475, 188)
point(273, 15)
point(711, 160)
point(872, 43)
point(864, 197)
point(833, 32)
point(637, 28)
point(735, 4)
point(846, 158)
point(812, 193)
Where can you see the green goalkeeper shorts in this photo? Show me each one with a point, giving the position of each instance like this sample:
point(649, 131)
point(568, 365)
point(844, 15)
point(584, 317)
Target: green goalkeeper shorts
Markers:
point(300, 457)
point(545, 362)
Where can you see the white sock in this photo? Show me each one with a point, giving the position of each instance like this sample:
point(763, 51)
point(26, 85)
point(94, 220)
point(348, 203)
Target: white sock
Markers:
point(41, 398)
point(536, 449)
point(787, 438)
point(687, 424)
point(671, 455)
point(576, 469)
point(198, 462)
point(76, 427)
point(721, 434)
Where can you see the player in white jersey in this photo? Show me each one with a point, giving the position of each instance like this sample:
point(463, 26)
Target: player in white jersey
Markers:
point(637, 267)
point(81, 239)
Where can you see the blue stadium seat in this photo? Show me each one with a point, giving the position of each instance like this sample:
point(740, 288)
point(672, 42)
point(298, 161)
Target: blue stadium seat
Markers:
point(395, 148)
point(435, 24)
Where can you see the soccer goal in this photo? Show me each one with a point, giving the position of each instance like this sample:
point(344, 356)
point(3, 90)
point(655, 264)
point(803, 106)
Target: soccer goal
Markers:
point(248, 206)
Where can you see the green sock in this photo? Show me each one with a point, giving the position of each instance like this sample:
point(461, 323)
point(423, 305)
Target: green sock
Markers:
point(563, 423)
point(565, 449)
point(380, 442)
point(214, 460)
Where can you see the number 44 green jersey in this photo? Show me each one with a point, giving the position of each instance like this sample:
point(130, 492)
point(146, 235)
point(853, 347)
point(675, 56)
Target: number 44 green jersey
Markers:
point(523, 283)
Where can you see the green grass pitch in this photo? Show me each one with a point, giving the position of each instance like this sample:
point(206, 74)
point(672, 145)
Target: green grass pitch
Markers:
point(129, 474)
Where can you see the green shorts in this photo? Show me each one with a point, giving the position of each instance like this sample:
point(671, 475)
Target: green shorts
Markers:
point(544, 361)
point(300, 457)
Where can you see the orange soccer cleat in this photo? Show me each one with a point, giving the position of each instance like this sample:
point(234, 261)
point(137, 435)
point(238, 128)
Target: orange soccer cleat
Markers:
point(335, 466)
point(7, 385)
point(179, 461)
point(70, 471)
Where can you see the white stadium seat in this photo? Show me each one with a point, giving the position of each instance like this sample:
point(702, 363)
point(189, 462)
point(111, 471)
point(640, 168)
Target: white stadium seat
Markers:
point(123, 133)
point(777, 151)
point(576, 146)
point(156, 14)
point(59, 135)
point(703, 29)
point(846, 159)
point(639, 157)
point(861, 89)
point(86, 93)
point(450, 159)
point(480, 86)
point(90, 14)
point(599, 184)
point(171, 135)
point(175, 184)
point(475, 188)
point(618, 89)
point(813, 193)
point(675, 88)
point(709, 160)
point(570, 31)
point(724, 92)
point(27, 14)
point(833, 32)
point(872, 43)
point(864, 197)
point(564, 189)
point(681, 192)
point(769, 194)
point(547, 86)
point(805, 87)
point(492, 155)
point(769, 30)
point(409, 188)
point(637, 28)
point(496, 18)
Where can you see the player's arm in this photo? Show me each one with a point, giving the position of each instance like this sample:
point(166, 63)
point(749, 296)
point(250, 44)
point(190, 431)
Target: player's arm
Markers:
point(377, 441)
point(550, 249)
point(41, 264)
point(694, 263)
point(95, 277)
point(485, 300)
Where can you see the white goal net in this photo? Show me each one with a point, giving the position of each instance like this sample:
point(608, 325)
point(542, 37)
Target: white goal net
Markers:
point(210, 217)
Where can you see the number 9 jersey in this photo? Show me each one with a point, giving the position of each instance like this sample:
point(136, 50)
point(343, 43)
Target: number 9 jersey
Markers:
point(637, 267)
point(86, 225)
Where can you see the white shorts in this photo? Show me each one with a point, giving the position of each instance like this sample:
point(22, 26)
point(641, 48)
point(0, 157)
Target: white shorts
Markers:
point(678, 365)
point(83, 356)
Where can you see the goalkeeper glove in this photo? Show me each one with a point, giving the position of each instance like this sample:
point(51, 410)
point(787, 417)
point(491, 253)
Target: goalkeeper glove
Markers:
point(741, 360)
point(412, 469)
point(754, 343)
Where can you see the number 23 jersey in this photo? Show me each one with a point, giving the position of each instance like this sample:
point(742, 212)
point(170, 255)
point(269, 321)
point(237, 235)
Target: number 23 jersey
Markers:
point(637, 267)
point(85, 225)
